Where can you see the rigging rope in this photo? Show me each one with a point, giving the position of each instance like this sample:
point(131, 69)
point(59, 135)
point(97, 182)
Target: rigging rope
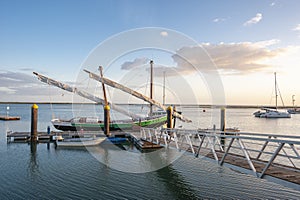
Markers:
point(280, 95)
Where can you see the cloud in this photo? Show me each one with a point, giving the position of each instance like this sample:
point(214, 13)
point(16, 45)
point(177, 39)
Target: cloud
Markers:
point(297, 28)
point(20, 87)
point(216, 20)
point(164, 33)
point(272, 4)
point(254, 20)
point(136, 63)
point(7, 90)
point(232, 58)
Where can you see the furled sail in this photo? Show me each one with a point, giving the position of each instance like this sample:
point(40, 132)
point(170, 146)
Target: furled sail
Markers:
point(134, 93)
point(83, 94)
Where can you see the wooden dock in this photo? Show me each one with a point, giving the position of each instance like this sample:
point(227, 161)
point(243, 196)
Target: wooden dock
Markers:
point(143, 144)
point(279, 171)
point(8, 118)
point(51, 137)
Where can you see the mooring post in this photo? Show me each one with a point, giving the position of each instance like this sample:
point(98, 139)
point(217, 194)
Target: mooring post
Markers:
point(34, 121)
point(222, 127)
point(169, 117)
point(106, 119)
point(174, 119)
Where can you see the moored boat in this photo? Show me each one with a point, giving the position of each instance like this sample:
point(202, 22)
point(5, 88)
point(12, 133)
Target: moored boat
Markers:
point(94, 124)
point(270, 112)
point(80, 142)
point(274, 114)
point(294, 110)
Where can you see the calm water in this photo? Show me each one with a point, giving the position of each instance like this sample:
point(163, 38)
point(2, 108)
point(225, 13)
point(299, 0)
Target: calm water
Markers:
point(43, 172)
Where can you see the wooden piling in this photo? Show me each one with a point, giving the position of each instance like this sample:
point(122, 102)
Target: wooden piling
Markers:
point(106, 120)
point(222, 126)
point(169, 117)
point(34, 121)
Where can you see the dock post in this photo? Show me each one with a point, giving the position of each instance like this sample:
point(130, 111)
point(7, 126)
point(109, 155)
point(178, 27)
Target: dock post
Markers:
point(169, 117)
point(48, 130)
point(174, 119)
point(106, 119)
point(222, 127)
point(34, 121)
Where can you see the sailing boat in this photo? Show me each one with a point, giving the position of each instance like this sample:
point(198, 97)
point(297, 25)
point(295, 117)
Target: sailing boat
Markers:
point(93, 123)
point(272, 112)
point(294, 110)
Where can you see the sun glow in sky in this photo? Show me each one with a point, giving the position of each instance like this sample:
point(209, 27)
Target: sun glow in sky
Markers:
point(247, 41)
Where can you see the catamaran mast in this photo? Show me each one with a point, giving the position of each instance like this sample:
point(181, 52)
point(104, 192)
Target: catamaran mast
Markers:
point(276, 95)
point(164, 89)
point(151, 86)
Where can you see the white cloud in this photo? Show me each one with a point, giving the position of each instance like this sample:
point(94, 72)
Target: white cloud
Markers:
point(19, 87)
point(272, 4)
point(164, 33)
point(254, 20)
point(7, 90)
point(267, 43)
point(297, 28)
point(136, 63)
point(229, 58)
point(216, 20)
point(233, 58)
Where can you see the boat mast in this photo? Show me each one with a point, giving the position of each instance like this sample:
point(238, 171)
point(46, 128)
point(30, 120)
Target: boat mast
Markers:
point(133, 93)
point(293, 99)
point(164, 89)
point(151, 85)
point(276, 95)
point(103, 86)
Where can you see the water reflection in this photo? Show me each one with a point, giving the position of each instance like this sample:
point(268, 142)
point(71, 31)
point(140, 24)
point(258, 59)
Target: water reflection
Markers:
point(33, 163)
point(132, 161)
point(176, 184)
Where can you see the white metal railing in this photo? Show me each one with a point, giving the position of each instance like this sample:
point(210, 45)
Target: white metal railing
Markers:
point(269, 149)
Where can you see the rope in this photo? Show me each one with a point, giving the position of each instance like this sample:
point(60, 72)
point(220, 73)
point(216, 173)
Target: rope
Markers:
point(280, 95)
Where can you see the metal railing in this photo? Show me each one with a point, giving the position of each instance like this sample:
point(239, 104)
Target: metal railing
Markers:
point(267, 149)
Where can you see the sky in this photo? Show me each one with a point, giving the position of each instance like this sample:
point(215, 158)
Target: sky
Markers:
point(242, 43)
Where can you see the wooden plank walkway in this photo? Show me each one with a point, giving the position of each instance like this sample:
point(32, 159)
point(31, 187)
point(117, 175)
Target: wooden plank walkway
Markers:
point(283, 172)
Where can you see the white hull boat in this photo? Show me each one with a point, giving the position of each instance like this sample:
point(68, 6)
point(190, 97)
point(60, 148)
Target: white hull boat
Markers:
point(80, 142)
point(275, 114)
point(272, 113)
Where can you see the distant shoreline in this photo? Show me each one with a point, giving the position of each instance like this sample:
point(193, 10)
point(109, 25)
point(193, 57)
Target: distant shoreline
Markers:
point(182, 105)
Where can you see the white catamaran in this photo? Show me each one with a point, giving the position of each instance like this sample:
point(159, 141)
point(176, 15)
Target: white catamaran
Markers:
point(272, 112)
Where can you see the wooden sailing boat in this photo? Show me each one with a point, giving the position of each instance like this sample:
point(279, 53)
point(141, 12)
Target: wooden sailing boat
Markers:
point(273, 112)
point(93, 123)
